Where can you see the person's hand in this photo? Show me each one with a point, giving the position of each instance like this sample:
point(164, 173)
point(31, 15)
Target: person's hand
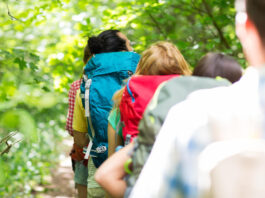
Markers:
point(77, 153)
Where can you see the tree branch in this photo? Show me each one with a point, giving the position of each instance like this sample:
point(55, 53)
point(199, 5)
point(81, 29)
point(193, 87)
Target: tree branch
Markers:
point(9, 13)
point(193, 3)
point(8, 145)
point(219, 30)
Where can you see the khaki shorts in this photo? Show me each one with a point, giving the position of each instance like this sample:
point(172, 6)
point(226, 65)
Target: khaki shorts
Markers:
point(93, 188)
point(95, 193)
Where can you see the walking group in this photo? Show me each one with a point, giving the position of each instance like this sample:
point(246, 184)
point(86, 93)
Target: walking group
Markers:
point(148, 126)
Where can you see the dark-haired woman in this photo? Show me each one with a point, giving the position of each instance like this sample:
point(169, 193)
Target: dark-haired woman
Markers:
point(217, 64)
point(107, 56)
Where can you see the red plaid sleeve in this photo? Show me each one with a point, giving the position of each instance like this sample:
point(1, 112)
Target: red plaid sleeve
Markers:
point(71, 104)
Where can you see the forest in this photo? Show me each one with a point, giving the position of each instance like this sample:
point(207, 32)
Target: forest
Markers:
point(41, 50)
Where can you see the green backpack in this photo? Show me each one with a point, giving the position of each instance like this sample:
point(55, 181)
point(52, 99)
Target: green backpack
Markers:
point(167, 95)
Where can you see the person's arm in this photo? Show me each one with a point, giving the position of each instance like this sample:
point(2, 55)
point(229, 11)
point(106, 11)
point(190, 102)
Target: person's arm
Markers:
point(80, 141)
point(71, 104)
point(113, 140)
point(111, 173)
point(80, 138)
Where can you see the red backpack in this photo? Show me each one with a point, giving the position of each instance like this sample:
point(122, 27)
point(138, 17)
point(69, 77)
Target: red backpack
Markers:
point(136, 96)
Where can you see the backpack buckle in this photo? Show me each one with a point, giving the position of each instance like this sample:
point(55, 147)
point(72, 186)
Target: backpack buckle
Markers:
point(101, 149)
point(88, 149)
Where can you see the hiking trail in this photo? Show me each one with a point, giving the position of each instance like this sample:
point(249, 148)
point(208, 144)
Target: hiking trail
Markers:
point(61, 182)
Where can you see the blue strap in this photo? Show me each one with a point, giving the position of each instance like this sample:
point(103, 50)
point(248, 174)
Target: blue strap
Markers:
point(129, 91)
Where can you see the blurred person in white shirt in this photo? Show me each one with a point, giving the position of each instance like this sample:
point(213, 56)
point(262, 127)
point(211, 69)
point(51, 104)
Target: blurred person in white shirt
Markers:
point(226, 113)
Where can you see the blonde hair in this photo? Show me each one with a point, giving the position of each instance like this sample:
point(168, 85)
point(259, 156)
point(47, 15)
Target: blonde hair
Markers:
point(161, 58)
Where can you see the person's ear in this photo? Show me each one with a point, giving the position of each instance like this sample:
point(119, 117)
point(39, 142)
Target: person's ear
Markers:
point(250, 40)
point(250, 27)
point(252, 32)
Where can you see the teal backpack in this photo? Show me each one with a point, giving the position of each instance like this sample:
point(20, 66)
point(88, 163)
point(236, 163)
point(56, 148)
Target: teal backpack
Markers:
point(166, 95)
point(104, 74)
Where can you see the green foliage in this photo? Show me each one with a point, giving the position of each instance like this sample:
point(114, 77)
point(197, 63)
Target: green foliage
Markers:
point(41, 54)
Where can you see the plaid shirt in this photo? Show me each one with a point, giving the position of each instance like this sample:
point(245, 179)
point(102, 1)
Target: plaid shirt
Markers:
point(71, 101)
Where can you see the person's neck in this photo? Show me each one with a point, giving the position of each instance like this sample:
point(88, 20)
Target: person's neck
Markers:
point(259, 62)
point(256, 58)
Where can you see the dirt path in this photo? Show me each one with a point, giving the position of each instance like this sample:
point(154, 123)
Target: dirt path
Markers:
point(62, 183)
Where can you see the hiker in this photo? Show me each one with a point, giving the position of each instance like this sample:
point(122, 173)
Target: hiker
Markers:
point(111, 61)
point(218, 65)
point(167, 95)
point(80, 184)
point(79, 164)
point(228, 117)
point(159, 63)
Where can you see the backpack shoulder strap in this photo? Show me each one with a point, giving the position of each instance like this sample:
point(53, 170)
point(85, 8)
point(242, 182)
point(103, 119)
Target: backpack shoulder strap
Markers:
point(87, 82)
point(86, 95)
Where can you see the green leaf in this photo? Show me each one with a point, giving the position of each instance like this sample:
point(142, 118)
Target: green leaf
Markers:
point(33, 66)
point(34, 57)
point(22, 64)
